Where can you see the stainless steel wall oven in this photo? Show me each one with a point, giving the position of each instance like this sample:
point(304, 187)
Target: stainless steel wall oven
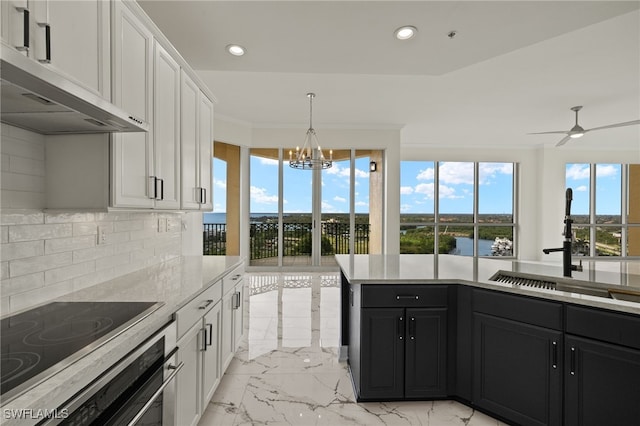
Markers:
point(138, 390)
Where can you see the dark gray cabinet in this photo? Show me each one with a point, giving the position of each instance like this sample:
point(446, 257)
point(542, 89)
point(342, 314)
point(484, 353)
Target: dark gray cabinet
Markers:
point(401, 352)
point(602, 368)
point(517, 371)
point(517, 367)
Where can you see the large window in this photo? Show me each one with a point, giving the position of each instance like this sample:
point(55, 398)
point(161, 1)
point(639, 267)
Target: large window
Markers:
point(463, 208)
point(605, 209)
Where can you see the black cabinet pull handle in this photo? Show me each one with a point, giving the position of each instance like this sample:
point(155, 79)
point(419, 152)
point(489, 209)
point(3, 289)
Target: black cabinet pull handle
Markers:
point(204, 339)
point(204, 195)
point(47, 45)
point(153, 189)
point(209, 341)
point(25, 29)
point(412, 328)
point(401, 328)
point(572, 368)
point(554, 362)
point(402, 297)
point(161, 189)
point(351, 297)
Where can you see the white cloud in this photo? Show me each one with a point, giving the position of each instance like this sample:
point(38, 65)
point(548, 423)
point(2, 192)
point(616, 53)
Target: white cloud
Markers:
point(603, 170)
point(456, 173)
point(346, 171)
point(260, 196)
point(405, 208)
point(425, 188)
point(220, 183)
point(581, 188)
point(406, 190)
point(578, 171)
point(339, 199)
point(448, 192)
point(425, 174)
point(361, 203)
point(487, 171)
point(268, 161)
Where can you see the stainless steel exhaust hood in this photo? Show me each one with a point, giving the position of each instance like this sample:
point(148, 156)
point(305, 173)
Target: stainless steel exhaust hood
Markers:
point(37, 98)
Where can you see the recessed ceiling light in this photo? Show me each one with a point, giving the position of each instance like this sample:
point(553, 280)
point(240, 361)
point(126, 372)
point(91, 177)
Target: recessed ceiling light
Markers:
point(235, 50)
point(406, 32)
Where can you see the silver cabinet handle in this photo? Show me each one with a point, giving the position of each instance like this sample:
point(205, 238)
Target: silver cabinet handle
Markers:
point(155, 396)
point(47, 44)
point(401, 297)
point(206, 304)
point(25, 29)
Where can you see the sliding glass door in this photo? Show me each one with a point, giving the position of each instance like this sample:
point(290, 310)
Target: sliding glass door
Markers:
point(303, 218)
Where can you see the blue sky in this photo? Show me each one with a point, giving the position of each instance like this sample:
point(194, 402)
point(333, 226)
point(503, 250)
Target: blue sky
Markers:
point(417, 184)
point(297, 187)
point(608, 188)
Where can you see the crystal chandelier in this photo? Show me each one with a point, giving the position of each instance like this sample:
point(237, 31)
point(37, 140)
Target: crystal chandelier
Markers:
point(311, 155)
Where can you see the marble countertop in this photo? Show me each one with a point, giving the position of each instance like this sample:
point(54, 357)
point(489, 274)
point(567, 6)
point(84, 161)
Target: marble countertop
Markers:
point(422, 268)
point(174, 283)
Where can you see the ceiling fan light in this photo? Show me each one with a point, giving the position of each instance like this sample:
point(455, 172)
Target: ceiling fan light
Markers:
point(576, 135)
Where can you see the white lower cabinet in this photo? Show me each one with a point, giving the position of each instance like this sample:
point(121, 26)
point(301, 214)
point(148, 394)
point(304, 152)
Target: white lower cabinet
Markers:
point(209, 331)
point(232, 318)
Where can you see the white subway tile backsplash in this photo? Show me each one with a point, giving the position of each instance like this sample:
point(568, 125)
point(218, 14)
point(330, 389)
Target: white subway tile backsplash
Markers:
point(111, 261)
point(40, 263)
point(21, 217)
point(26, 166)
point(13, 251)
point(21, 284)
point(58, 245)
point(68, 272)
point(38, 296)
point(39, 232)
point(49, 254)
point(69, 217)
point(84, 229)
point(93, 253)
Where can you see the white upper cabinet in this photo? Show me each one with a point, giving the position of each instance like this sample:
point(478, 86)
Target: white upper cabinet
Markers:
point(133, 178)
point(71, 37)
point(205, 127)
point(196, 146)
point(166, 129)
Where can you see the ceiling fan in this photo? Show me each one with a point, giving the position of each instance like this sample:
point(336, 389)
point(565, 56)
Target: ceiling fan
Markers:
point(577, 131)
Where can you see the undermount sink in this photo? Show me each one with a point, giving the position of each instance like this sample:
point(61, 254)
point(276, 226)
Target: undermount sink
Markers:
point(559, 284)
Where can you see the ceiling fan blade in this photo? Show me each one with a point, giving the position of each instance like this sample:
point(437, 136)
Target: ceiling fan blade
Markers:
point(563, 141)
point(610, 126)
point(548, 133)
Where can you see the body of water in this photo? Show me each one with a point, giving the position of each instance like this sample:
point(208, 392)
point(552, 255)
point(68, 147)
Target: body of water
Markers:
point(464, 247)
point(222, 217)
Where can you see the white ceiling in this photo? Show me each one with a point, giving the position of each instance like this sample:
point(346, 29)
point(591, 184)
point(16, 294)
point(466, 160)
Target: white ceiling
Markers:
point(513, 67)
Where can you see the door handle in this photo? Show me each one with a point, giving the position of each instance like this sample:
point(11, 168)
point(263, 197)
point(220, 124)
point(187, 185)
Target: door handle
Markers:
point(407, 297)
point(572, 367)
point(209, 342)
point(554, 349)
point(25, 29)
point(47, 44)
point(401, 328)
point(412, 328)
point(152, 400)
point(206, 304)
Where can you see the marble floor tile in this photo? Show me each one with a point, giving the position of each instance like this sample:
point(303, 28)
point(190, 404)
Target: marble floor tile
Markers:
point(286, 371)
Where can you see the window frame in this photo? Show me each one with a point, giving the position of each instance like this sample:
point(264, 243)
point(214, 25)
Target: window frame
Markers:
point(437, 224)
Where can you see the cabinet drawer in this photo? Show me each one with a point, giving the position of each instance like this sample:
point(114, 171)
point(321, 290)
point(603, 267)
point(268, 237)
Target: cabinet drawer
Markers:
point(230, 280)
point(518, 308)
point(197, 307)
point(389, 296)
point(606, 326)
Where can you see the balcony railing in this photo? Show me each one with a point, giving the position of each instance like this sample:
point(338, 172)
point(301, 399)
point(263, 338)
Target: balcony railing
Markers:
point(296, 239)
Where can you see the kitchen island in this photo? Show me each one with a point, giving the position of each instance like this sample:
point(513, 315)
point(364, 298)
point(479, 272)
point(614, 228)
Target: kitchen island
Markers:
point(422, 327)
point(174, 283)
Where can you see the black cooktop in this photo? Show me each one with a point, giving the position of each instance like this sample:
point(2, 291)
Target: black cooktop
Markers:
point(38, 342)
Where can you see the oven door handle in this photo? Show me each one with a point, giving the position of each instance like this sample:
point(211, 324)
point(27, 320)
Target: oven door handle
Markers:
point(176, 369)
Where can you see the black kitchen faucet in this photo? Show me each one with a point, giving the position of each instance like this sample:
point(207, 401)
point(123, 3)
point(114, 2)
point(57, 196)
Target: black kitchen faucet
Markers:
point(567, 267)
